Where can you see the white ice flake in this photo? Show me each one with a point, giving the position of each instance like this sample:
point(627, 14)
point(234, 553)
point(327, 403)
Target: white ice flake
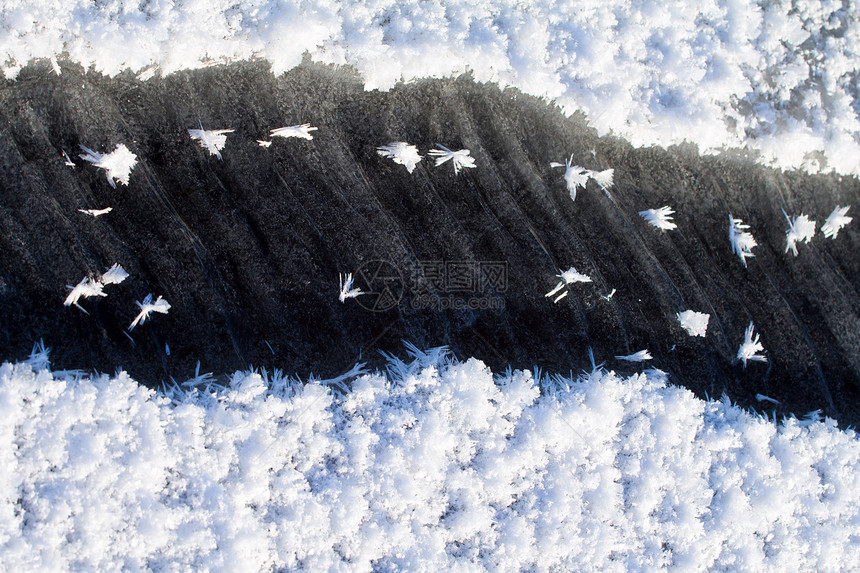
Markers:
point(68, 160)
point(302, 131)
point(640, 356)
point(147, 307)
point(574, 176)
point(114, 275)
point(763, 398)
point(604, 179)
point(695, 323)
point(117, 164)
point(213, 140)
point(96, 212)
point(742, 241)
point(660, 218)
point(835, 222)
point(264, 143)
point(567, 277)
point(346, 289)
point(800, 229)
point(84, 289)
point(459, 158)
point(750, 346)
point(402, 153)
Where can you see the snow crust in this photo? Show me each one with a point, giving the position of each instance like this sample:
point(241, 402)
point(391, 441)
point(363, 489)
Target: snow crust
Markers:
point(778, 77)
point(434, 465)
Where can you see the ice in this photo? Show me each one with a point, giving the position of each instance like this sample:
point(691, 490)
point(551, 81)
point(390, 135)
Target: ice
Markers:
point(436, 465)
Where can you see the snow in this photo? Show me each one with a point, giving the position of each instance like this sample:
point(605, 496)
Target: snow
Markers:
point(777, 78)
point(436, 465)
point(695, 323)
point(212, 140)
point(302, 131)
point(568, 277)
point(750, 347)
point(147, 307)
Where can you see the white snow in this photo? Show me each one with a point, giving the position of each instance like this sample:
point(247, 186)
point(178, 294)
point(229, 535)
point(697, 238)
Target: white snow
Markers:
point(459, 159)
point(84, 289)
point(401, 153)
point(800, 229)
point(568, 277)
point(695, 323)
point(574, 176)
point(96, 212)
point(436, 466)
point(742, 240)
point(114, 275)
point(778, 78)
point(660, 218)
point(117, 164)
point(835, 221)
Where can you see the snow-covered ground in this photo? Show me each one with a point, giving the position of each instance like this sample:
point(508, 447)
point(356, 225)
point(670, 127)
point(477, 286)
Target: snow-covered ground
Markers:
point(434, 465)
point(776, 77)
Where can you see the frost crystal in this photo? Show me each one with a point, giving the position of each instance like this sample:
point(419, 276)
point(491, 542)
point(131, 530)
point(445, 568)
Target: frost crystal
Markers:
point(114, 275)
point(742, 241)
point(749, 347)
point(574, 176)
point(346, 290)
point(569, 276)
point(695, 323)
point(459, 158)
point(801, 229)
point(303, 131)
point(146, 307)
point(212, 140)
point(96, 212)
point(264, 143)
point(117, 164)
point(603, 178)
point(68, 160)
point(402, 153)
point(84, 289)
point(660, 218)
point(835, 221)
point(640, 356)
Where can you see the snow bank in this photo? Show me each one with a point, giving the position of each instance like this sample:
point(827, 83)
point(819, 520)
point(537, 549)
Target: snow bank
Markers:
point(776, 77)
point(435, 465)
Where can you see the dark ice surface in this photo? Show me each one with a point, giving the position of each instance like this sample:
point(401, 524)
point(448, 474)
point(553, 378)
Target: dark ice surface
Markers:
point(248, 250)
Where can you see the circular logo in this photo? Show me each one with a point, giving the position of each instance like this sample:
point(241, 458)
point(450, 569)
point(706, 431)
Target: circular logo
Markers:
point(381, 283)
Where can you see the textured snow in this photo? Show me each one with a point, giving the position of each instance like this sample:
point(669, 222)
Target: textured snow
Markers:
point(695, 323)
point(436, 465)
point(778, 78)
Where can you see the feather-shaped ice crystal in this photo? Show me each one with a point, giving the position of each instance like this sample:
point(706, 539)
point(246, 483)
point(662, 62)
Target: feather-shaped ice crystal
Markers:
point(640, 356)
point(750, 346)
point(68, 160)
point(459, 158)
point(213, 140)
point(96, 212)
point(801, 229)
point(84, 289)
point(114, 275)
point(567, 277)
point(603, 178)
point(695, 323)
point(835, 221)
point(303, 131)
point(742, 241)
point(346, 289)
point(147, 307)
point(402, 153)
point(574, 176)
point(660, 218)
point(117, 164)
